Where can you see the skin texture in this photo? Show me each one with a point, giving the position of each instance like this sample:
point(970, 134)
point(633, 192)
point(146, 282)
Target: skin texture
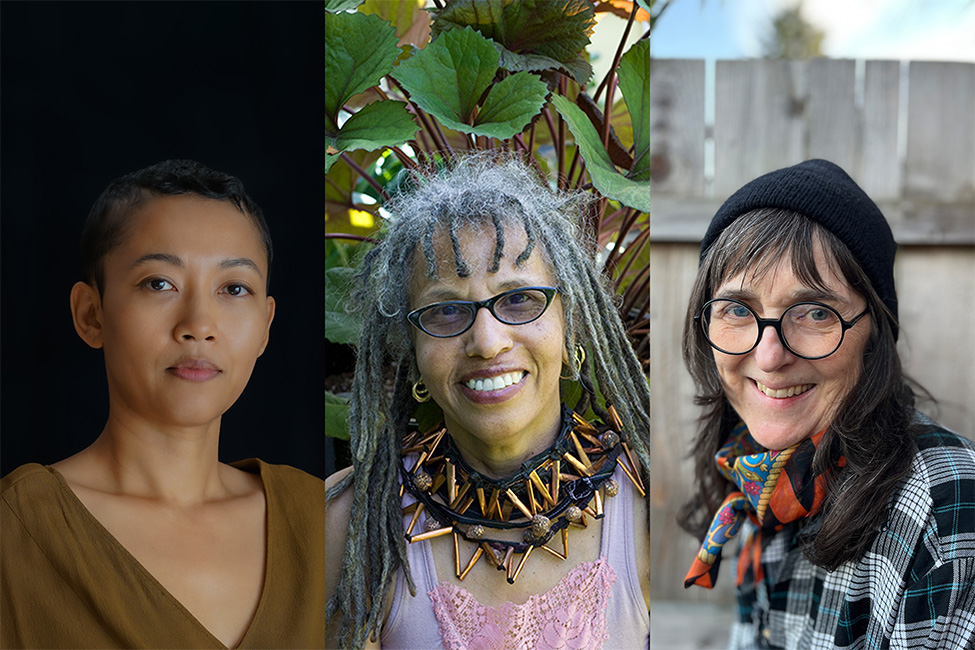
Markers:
point(779, 423)
point(182, 320)
point(495, 437)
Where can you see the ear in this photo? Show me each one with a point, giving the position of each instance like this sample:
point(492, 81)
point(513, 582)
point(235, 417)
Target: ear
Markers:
point(267, 331)
point(86, 311)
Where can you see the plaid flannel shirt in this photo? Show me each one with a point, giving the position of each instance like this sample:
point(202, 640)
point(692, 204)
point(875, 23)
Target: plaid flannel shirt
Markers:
point(914, 588)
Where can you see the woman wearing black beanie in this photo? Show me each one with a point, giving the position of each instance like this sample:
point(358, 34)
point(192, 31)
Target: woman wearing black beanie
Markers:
point(855, 513)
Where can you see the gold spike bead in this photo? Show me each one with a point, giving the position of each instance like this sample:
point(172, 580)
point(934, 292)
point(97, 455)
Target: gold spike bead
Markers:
point(437, 482)
point(598, 500)
point(553, 552)
point(513, 498)
point(465, 505)
point(555, 480)
point(419, 461)
point(482, 501)
point(492, 556)
point(532, 503)
point(451, 482)
point(575, 462)
point(437, 532)
point(459, 497)
point(495, 505)
point(633, 465)
point(614, 418)
point(416, 516)
point(565, 541)
point(521, 565)
point(470, 565)
point(402, 489)
point(591, 438)
point(568, 478)
point(589, 511)
point(534, 478)
point(456, 555)
point(506, 510)
point(508, 564)
point(626, 471)
point(436, 442)
point(580, 452)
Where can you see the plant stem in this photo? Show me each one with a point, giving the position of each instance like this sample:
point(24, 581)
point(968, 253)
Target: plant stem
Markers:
point(364, 174)
point(345, 235)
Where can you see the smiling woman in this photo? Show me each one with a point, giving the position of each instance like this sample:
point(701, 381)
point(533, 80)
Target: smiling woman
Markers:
point(809, 444)
point(449, 530)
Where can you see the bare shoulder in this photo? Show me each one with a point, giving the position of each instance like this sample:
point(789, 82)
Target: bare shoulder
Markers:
point(337, 514)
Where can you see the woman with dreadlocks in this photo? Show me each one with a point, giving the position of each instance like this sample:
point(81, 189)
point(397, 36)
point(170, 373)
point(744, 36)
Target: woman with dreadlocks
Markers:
point(856, 512)
point(515, 522)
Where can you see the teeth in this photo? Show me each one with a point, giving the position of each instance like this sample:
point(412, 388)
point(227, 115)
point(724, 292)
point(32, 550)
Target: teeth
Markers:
point(494, 383)
point(791, 391)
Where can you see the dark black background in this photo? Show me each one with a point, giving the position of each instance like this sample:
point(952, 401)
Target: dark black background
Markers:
point(90, 91)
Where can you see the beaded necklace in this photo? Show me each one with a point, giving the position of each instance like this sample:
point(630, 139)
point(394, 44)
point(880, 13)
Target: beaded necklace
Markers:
point(553, 491)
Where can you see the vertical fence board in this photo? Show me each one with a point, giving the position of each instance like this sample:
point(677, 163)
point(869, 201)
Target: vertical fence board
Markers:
point(673, 268)
point(759, 124)
point(831, 112)
point(677, 127)
point(879, 172)
point(940, 153)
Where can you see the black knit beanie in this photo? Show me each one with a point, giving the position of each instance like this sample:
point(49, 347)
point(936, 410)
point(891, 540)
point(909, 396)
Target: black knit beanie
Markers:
point(821, 191)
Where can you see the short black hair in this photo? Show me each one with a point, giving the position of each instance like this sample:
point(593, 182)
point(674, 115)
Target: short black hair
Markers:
point(105, 225)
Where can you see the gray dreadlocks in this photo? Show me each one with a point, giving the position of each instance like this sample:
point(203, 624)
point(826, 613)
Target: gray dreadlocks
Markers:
point(491, 193)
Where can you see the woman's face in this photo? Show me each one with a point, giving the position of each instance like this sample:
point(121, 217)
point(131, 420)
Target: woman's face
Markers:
point(484, 422)
point(753, 382)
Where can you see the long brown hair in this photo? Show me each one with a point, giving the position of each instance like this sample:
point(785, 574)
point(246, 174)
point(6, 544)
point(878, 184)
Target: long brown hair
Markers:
point(872, 426)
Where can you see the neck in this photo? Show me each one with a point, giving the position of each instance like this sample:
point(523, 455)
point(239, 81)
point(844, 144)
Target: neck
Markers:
point(502, 457)
point(174, 464)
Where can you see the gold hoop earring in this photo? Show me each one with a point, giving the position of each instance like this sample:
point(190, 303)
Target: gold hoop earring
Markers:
point(420, 392)
point(580, 358)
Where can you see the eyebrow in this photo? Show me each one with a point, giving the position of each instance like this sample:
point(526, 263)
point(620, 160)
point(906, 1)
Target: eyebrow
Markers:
point(805, 294)
point(445, 293)
point(175, 260)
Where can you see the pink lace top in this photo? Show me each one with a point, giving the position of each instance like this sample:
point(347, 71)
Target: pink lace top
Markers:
point(597, 605)
point(571, 616)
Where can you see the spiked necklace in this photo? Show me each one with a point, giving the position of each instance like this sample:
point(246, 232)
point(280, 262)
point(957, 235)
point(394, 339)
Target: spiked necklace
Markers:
point(552, 492)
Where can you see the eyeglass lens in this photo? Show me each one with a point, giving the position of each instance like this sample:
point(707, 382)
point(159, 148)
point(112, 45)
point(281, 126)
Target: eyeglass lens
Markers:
point(808, 329)
point(515, 308)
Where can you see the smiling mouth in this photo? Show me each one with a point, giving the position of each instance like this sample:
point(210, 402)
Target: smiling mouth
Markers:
point(781, 393)
point(495, 383)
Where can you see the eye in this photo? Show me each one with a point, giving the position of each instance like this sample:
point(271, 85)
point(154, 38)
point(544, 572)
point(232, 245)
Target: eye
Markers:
point(158, 284)
point(237, 290)
point(819, 314)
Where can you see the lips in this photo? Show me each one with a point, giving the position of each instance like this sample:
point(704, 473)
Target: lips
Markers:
point(782, 393)
point(194, 369)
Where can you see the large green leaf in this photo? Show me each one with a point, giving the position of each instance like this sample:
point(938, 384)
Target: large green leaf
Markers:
point(604, 175)
point(340, 325)
point(510, 106)
point(448, 76)
point(634, 76)
point(377, 125)
point(359, 51)
point(336, 416)
point(341, 5)
point(578, 68)
point(558, 30)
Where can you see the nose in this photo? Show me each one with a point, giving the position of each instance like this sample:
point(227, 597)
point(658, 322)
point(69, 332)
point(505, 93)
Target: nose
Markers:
point(488, 337)
point(196, 319)
point(770, 353)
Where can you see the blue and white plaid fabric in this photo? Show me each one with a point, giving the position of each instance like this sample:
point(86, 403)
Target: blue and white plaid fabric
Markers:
point(914, 588)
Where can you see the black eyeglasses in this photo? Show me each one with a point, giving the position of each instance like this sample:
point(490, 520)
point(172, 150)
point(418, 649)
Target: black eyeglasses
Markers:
point(810, 330)
point(454, 317)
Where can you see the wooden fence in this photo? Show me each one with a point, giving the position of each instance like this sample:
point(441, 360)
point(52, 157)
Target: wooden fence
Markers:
point(904, 132)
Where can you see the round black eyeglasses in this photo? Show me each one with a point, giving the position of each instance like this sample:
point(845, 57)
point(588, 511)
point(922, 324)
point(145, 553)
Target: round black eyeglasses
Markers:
point(809, 330)
point(454, 317)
